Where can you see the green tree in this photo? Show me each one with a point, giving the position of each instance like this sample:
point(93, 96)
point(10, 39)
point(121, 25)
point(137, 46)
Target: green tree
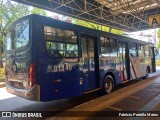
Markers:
point(98, 27)
point(9, 12)
point(87, 24)
point(158, 33)
point(38, 11)
point(119, 32)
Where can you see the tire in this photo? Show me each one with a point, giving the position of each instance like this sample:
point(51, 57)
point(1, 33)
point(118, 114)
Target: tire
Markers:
point(108, 84)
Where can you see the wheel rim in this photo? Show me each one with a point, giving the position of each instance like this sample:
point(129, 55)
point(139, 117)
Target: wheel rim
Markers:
point(108, 85)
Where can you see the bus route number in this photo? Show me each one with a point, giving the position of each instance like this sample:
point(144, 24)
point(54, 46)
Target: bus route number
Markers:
point(59, 68)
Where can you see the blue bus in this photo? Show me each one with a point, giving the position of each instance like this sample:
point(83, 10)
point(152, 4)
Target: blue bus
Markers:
point(48, 59)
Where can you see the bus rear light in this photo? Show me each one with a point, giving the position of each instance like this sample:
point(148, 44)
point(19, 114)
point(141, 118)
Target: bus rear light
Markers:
point(54, 81)
point(31, 75)
point(59, 80)
point(56, 90)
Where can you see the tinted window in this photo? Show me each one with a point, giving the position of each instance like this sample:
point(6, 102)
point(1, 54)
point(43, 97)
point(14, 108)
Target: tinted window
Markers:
point(18, 35)
point(108, 46)
point(141, 50)
point(147, 50)
point(61, 43)
point(133, 50)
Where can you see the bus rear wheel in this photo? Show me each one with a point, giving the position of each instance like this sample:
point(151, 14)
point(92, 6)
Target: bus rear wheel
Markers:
point(108, 84)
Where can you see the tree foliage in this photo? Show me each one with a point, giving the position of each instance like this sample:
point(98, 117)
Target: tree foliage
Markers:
point(158, 33)
point(38, 11)
point(98, 27)
point(9, 12)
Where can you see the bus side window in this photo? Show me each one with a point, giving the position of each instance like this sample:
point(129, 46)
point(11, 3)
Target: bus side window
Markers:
point(141, 50)
point(56, 53)
point(133, 50)
point(105, 46)
point(113, 47)
point(147, 51)
point(72, 54)
point(72, 50)
point(60, 43)
point(108, 46)
point(150, 52)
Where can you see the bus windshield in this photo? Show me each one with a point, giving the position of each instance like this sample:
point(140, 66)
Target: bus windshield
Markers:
point(18, 35)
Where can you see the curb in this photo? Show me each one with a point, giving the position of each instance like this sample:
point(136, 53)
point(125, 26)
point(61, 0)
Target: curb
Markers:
point(2, 84)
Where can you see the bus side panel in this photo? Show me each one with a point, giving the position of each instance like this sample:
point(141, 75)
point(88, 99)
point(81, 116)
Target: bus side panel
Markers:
point(109, 65)
point(137, 67)
point(58, 77)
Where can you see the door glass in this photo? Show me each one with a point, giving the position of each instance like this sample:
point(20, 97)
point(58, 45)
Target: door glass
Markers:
point(92, 74)
point(122, 57)
point(88, 63)
point(85, 64)
point(84, 53)
point(91, 54)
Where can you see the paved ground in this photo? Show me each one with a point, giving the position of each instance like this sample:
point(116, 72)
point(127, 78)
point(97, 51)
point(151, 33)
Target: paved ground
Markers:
point(122, 99)
point(138, 98)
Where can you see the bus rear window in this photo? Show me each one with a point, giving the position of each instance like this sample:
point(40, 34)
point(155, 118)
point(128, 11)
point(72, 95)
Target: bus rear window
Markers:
point(18, 35)
point(60, 43)
point(132, 49)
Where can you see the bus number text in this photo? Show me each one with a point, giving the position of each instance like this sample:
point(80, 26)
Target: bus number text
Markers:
point(59, 68)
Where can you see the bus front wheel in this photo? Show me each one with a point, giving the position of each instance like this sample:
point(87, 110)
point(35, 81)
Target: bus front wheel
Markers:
point(108, 84)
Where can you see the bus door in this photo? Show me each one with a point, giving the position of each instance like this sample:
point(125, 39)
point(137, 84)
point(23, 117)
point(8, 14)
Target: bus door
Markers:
point(88, 62)
point(153, 60)
point(124, 60)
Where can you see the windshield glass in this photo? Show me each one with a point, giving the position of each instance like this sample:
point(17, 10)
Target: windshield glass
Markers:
point(18, 35)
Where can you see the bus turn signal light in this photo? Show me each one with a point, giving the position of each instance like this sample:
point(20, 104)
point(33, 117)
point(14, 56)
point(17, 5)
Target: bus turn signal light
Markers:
point(31, 76)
